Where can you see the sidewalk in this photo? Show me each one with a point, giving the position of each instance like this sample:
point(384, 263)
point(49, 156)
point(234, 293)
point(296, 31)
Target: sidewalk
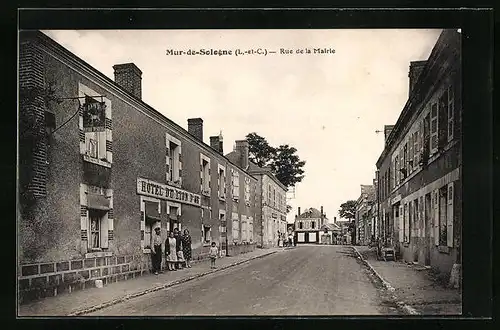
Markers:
point(85, 301)
point(414, 287)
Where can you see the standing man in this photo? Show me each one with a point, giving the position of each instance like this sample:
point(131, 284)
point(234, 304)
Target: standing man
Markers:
point(157, 250)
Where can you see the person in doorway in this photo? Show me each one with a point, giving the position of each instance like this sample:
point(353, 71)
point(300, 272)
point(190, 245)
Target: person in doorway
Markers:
point(156, 250)
point(290, 240)
point(186, 247)
point(178, 247)
point(214, 252)
point(170, 251)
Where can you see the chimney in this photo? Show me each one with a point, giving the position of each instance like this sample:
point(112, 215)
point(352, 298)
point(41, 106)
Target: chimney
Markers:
point(416, 68)
point(322, 210)
point(128, 76)
point(298, 211)
point(387, 131)
point(334, 219)
point(195, 128)
point(216, 143)
point(242, 148)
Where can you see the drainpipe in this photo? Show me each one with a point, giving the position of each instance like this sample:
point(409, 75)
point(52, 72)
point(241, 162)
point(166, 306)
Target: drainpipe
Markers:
point(261, 211)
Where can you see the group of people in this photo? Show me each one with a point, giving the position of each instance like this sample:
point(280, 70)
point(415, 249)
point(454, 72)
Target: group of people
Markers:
point(284, 241)
point(177, 249)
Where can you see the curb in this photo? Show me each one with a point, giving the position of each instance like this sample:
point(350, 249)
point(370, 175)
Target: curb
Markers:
point(161, 287)
point(406, 308)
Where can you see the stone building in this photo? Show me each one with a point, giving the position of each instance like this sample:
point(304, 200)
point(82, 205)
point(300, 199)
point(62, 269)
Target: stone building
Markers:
point(308, 225)
point(420, 166)
point(270, 200)
point(98, 168)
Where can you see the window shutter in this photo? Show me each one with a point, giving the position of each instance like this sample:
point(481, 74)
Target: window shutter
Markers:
point(449, 215)
point(401, 232)
point(143, 229)
point(451, 112)
point(110, 229)
point(104, 231)
point(167, 161)
point(435, 215)
point(434, 128)
point(410, 155)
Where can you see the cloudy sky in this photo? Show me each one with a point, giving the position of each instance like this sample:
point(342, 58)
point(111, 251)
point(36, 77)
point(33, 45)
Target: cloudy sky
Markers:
point(328, 106)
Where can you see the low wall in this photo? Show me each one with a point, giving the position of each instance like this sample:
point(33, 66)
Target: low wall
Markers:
point(240, 249)
point(43, 280)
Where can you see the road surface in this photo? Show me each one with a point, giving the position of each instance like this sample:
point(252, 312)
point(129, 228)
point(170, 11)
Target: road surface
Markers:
point(306, 280)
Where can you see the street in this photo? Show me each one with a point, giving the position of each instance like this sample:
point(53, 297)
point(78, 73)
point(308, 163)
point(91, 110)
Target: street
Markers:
point(306, 280)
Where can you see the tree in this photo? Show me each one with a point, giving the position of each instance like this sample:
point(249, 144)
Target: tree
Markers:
point(260, 152)
point(287, 166)
point(348, 210)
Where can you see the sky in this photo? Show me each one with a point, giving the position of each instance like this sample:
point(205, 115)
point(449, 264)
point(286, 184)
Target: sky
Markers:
point(327, 106)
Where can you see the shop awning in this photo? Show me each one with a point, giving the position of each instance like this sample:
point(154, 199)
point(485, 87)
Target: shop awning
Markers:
point(97, 202)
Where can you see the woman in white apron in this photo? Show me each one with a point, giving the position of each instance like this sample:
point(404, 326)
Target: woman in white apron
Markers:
point(170, 251)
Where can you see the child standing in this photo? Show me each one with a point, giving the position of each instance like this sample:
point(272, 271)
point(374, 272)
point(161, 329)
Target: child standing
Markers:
point(214, 252)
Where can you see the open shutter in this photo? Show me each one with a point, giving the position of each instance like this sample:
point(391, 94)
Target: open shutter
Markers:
point(449, 215)
point(224, 183)
point(143, 231)
point(103, 230)
point(401, 227)
point(434, 128)
point(167, 161)
point(410, 154)
point(180, 166)
point(435, 215)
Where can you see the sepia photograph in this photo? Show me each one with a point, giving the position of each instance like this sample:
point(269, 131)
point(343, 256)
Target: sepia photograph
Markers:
point(239, 172)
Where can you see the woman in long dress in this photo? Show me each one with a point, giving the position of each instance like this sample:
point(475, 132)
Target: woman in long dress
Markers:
point(186, 247)
point(170, 250)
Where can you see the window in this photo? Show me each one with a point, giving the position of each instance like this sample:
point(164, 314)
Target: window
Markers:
point(451, 112)
point(222, 182)
point(205, 175)
point(274, 197)
point(173, 160)
point(206, 235)
point(313, 224)
point(416, 149)
point(411, 144)
point(236, 185)
point(404, 169)
point(434, 128)
point(244, 236)
point(301, 225)
point(98, 229)
point(94, 119)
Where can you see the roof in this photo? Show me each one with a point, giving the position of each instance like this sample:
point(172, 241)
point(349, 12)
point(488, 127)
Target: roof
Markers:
point(330, 227)
point(53, 46)
point(310, 213)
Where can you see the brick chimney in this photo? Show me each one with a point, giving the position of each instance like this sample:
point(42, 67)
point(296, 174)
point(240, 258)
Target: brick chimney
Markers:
point(387, 131)
point(128, 76)
point(416, 68)
point(242, 147)
point(216, 143)
point(298, 211)
point(195, 128)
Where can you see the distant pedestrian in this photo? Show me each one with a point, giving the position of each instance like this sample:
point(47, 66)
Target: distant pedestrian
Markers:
point(170, 251)
point(186, 247)
point(156, 250)
point(214, 252)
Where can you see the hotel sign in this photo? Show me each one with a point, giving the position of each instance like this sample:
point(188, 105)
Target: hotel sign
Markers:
point(94, 115)
point(162, 191)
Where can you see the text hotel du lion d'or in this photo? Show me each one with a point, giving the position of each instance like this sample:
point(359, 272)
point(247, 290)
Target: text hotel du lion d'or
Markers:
point(253, 51)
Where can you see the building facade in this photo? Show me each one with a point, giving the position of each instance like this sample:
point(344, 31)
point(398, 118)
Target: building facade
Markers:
point(364, 215)
point(270, 198)
point(99, 168)
point(308, 225)
point(420, 167)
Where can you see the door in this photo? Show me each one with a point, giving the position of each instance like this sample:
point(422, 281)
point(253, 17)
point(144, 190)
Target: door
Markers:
point(428, 228)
